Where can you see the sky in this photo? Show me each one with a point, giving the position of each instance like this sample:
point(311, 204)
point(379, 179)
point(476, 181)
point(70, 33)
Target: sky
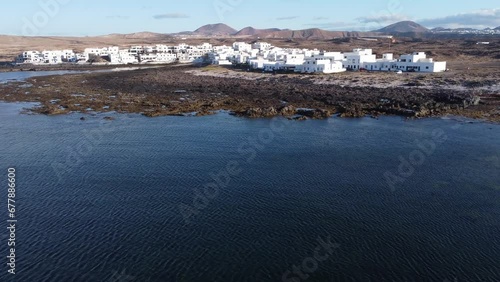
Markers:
point(89, 18)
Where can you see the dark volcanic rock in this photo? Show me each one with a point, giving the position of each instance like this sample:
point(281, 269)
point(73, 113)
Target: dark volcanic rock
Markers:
point(316, 114)
point(152, 92)
point(288, 111)
point(260, 112)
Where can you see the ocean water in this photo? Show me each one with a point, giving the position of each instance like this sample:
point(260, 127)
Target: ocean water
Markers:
point(23, 75)
point(6, 77)
point(120, 200)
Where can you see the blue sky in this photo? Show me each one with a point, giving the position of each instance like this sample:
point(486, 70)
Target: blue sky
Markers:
point(87, 18)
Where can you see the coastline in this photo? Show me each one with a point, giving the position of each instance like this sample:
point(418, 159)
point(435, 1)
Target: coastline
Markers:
point(181, 89)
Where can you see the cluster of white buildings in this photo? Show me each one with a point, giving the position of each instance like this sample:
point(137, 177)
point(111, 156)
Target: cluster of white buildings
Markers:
point(114, 55)
point(269, 58)
point(259, 55)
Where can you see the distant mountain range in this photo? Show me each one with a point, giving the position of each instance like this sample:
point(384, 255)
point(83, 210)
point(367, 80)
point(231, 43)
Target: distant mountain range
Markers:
point(404, 28)
point(400, 28)
point(311, 33)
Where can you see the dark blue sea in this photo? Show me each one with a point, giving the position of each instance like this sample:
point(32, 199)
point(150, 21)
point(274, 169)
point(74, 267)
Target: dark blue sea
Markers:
point(222, 198)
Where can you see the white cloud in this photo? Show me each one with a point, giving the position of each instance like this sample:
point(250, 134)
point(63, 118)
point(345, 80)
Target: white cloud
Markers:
point(171, 16)
point(386, 19)
point(118, 17)
point(476, 19)
point(287, 18)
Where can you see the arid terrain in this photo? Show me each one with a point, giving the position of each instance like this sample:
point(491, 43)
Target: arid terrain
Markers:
point(471, 88)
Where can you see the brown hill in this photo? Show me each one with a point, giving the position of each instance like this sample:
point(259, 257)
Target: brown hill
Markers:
point(404, 27)
point(137, 35)
point(310, 34)
point(215, 29)
point(250, 31)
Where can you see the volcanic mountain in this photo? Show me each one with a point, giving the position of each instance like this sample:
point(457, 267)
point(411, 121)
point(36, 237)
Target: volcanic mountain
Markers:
point(404, 27)
point(215, 29)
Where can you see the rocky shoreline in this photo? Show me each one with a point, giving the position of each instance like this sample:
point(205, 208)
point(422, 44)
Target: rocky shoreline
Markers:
point(176, 90)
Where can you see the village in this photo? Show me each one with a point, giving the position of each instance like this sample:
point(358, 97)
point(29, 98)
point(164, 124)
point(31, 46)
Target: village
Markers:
point(259, 56)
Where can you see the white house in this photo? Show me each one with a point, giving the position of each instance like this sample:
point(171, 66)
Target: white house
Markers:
point(110, 50)
point(136, 50)
point(160, 48)
point(415, 62)
point(123, 57)
point(242, 46)
point(315, 65)
point(261, 46)
point(258, 63)
point(207, 47)
point(29, 57)
point(355, 59)
point(166, 57)
point(52, 57)
point(93, 51)
point(332, 56)
point(419, 62)
point(81, 58)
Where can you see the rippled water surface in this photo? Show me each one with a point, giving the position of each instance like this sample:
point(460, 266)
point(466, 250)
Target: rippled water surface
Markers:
point(23, 75)
point(100, 200)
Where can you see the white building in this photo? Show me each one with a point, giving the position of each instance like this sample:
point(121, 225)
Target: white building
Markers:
point(68, 56)
point(29, 57)
point(136, 50)
point(52, 57)
point(258, 63)
point(110, 50)
point(260, 55)
point(355, 59)
point(242, 46)
point(415, 62)
point(166, 57)
point(262, 46)
point(160, 48)
point(157, 58)
point(315, 65)
point(93, 51)
point(123, 57)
